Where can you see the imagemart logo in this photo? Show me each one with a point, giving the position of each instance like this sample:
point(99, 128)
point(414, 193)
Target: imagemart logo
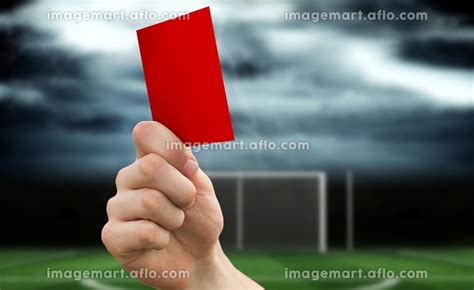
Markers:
point(379, 15)
point(142, 273)
point(379, 273)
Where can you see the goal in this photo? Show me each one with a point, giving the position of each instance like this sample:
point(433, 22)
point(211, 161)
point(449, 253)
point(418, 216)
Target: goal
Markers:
point(278, 209)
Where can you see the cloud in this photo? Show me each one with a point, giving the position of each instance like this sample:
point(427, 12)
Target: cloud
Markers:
point(14, 39)
point(452, 8)
point(98, 123)
point(51, 117)
point(68, 109)
point(15, 115)
point(9, 5)
point(441, 51)
point(242, 53)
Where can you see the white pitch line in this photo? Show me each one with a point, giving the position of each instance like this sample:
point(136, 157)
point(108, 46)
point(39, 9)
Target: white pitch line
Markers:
point(435, 258)
point(94, 284)
point(384, 284)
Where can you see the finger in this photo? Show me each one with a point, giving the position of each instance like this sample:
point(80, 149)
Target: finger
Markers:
point(153, 137)
point(147, 204)
point(122, 238)
point(155, 172)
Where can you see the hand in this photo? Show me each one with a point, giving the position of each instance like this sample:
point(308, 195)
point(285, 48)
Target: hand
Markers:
point(166, 217)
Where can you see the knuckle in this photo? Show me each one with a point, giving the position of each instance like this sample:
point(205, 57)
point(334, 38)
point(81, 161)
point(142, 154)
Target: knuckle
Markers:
point(150, 165)
point(148, 234)
point(106, 234)
point(151, 200)
point(173, 153)
point(111, 206)
point(120, 176)
point(164, 239)
point(219, 224)
point(178, 154)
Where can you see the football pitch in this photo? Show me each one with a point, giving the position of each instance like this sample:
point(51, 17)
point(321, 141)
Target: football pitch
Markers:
point(22, 269)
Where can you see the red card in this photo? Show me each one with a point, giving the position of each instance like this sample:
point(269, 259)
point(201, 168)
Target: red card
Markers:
point(184, 79)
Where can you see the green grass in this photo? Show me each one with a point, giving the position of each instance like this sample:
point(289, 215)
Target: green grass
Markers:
point(22, 269)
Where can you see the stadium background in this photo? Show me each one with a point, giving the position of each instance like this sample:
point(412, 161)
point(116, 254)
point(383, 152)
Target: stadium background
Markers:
point(390, 101)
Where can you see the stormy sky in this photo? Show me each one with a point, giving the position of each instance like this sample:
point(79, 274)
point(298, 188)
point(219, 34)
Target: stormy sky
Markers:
point(379, 97)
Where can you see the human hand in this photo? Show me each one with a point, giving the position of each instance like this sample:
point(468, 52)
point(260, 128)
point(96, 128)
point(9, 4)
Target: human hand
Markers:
point(166, 218)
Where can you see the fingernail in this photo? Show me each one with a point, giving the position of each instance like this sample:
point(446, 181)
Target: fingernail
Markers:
point(190, 167)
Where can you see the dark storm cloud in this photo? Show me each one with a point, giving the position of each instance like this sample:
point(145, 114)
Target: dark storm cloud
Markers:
point(241, 68)
point(23, 57)
point(58, 76)
point(16, 116)
point(66, 111)
point(460, 9)
point(422, 141)
point(434, 41)
point(38, 140)
point(11, 39)
point(426, 125)
point(9, 5)
point(242, 52)
point(34, 62)
point(450, 52)
point(430, 126)
point(98, 123)
point(58, 90)
point(56, 116)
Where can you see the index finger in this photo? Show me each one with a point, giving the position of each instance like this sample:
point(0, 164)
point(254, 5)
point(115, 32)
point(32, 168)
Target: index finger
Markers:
point(153, 137)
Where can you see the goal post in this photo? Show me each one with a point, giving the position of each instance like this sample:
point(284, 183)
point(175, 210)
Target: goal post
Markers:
point(242, 178)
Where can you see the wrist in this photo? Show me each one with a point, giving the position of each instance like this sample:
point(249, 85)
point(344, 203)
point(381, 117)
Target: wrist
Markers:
point(218, 272)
